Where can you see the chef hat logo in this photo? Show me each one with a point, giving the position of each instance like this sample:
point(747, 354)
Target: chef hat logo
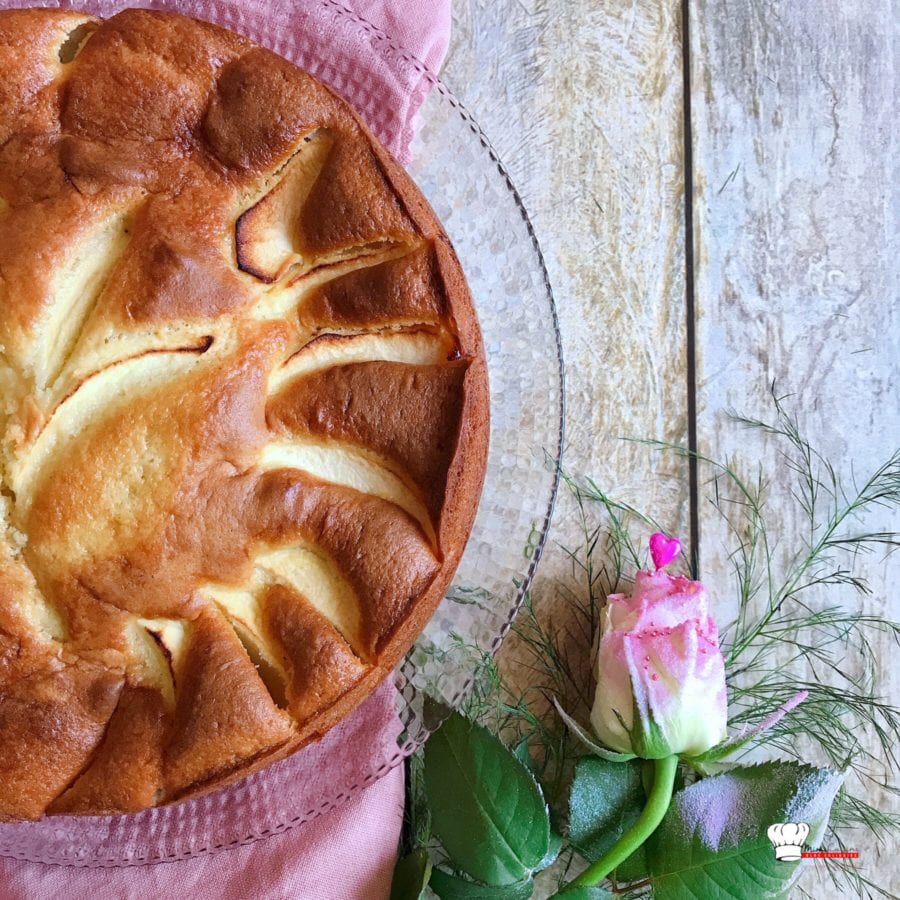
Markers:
point(788, 839)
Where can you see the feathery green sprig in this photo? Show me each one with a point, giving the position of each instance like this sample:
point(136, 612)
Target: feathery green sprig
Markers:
point(782, 640)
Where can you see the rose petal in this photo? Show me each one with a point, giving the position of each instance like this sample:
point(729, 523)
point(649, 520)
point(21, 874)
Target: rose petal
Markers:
point(612, 714)
point(678, 679)
point(660, 673)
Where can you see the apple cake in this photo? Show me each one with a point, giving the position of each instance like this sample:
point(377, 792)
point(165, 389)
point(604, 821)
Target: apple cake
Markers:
point(244, 417)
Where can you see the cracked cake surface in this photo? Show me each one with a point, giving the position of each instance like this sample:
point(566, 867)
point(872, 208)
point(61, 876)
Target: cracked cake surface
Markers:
point(244, 410)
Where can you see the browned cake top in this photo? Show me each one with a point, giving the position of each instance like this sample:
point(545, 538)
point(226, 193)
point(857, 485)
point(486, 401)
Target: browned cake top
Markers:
point(244, 410)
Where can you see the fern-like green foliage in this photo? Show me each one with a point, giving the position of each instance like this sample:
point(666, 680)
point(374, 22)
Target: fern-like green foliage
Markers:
point(783, 638)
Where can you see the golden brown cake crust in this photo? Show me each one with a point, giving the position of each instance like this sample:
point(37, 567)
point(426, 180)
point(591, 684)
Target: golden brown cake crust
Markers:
point(244, 410)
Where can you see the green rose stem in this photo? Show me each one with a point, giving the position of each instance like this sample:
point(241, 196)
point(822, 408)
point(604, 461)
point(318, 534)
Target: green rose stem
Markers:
point(648, 821)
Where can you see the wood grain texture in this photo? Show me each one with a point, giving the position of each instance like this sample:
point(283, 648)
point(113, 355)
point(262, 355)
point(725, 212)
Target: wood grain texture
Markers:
point(583, 102)
point(796, 234)
point(593, 139)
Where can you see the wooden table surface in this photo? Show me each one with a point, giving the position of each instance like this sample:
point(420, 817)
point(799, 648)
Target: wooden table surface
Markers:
point(714, 188)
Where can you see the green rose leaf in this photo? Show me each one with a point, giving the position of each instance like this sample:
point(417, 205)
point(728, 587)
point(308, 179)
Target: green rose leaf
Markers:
point(411, 875)
point(634, 868)
point(487, 809)
point(604, 802)
point(713, 842)
point(553, 851)
point(451, 887)
point(586, 893)
point(523, 755)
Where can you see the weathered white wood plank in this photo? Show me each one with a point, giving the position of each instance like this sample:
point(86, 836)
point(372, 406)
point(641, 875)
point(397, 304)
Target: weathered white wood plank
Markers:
point(584, 104)
point(795, 209)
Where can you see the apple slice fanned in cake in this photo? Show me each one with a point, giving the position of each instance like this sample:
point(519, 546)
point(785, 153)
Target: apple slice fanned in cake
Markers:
point(305, 219)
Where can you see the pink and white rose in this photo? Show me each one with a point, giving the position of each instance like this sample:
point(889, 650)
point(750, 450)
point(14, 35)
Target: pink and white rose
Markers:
point(660, 673)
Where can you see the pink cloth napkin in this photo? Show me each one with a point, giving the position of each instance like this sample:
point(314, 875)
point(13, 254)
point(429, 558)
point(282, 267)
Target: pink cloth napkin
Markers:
point(346, 854)
point(376, 53)
point(380, 64)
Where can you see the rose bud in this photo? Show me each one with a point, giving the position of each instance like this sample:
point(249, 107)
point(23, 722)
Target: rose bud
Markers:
point(660, 673)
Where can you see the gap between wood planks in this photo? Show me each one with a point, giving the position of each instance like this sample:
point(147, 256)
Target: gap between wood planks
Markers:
point(690, 336)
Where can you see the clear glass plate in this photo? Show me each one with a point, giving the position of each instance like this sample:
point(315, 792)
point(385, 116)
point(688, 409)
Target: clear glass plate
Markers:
point(458, 171)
